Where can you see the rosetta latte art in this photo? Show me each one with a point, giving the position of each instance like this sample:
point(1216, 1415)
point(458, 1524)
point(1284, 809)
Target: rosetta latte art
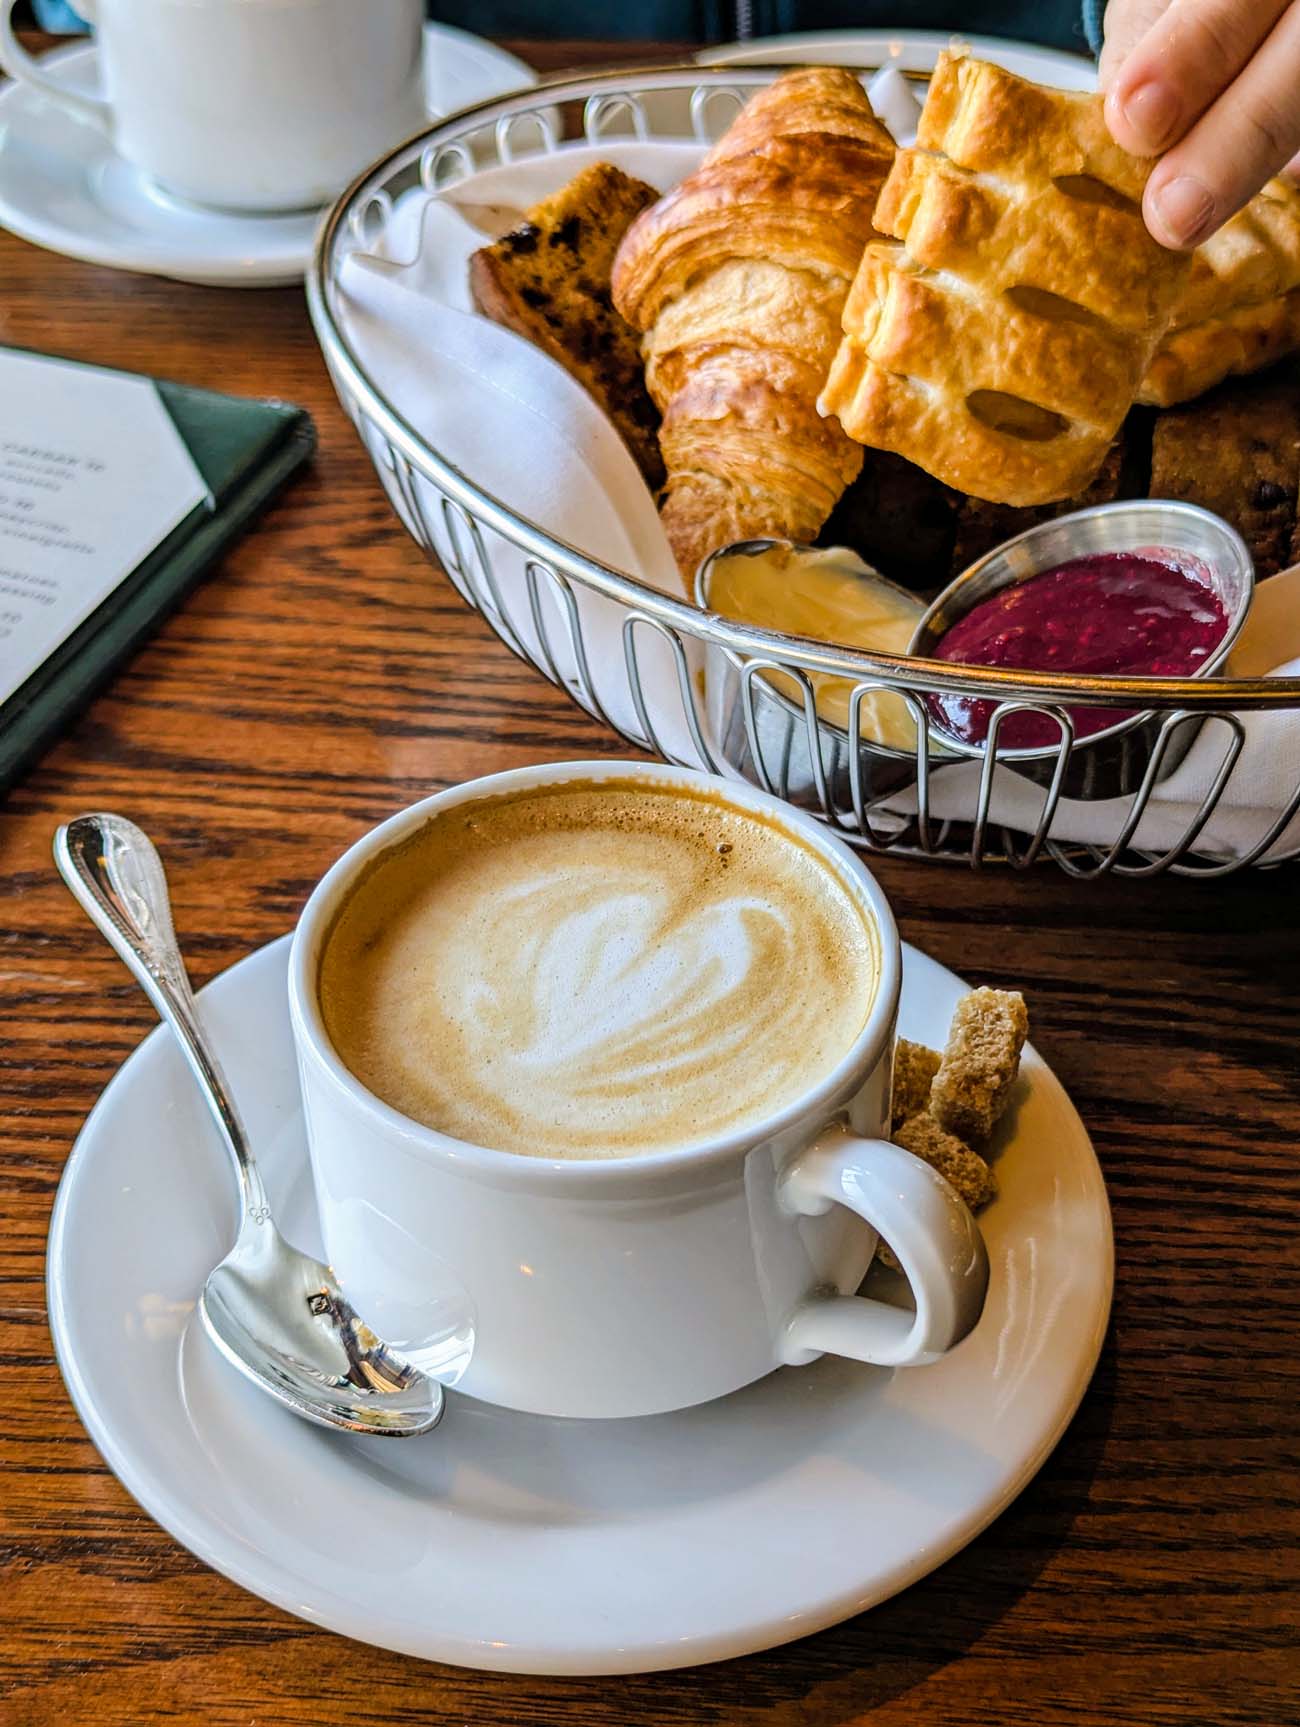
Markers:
point(597, 972)
point(619, 990)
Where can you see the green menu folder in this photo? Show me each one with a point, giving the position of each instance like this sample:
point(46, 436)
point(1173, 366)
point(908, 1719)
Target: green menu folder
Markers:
point(243, 452)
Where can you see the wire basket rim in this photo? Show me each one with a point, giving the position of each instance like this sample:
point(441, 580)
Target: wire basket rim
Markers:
point(751, 641)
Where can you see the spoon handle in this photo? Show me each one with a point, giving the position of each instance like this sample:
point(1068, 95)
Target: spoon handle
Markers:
point(117, 877)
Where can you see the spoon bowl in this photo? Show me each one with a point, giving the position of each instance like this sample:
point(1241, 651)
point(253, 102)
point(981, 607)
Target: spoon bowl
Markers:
point(279, 1317)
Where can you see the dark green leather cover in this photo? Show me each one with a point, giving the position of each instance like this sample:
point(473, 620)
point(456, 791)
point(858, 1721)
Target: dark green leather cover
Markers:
point(245, 451)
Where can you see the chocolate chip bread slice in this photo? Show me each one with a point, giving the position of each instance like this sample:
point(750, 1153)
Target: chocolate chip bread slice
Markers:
point(1237, 452)
point(548, 280)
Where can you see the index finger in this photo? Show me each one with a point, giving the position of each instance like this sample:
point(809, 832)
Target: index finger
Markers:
point(1186, 59)
point(1126, 23)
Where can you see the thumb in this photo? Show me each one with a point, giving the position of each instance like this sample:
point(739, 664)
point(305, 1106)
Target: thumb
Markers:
point(1127, 22)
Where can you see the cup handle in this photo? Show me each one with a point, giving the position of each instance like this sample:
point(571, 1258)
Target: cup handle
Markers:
point(937, 1241)
point(19, 64)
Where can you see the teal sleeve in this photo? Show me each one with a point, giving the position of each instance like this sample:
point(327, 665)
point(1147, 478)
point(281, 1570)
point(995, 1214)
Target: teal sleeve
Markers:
point(1092, 23)
point(1054, 23)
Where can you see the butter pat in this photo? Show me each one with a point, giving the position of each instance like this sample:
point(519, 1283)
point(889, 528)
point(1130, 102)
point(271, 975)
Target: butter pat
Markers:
point(830, 596)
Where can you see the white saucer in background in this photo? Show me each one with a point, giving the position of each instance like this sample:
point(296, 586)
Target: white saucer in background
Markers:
point(526, 1544)
point(907, 50)
point(63, 186)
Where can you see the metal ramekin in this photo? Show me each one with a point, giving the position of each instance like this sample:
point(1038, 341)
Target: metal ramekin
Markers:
point(780, 723)
point(1112, 762)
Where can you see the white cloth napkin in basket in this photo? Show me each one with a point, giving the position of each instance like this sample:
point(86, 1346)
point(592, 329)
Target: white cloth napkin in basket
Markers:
point(514, 422)
point(494, 405)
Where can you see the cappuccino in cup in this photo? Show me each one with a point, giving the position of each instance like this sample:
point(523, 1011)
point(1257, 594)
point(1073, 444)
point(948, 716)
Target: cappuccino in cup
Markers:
point(596, 969)
point(596, 1062)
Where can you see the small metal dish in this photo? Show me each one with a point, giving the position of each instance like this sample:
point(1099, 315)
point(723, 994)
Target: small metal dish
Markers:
point(1114, 761)
point(770, 730)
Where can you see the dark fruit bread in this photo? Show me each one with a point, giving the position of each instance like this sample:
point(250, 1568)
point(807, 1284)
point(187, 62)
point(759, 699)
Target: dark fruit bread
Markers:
point(548, 280)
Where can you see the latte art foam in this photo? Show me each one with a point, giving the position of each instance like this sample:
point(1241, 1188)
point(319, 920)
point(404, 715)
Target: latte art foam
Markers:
point(596, 970)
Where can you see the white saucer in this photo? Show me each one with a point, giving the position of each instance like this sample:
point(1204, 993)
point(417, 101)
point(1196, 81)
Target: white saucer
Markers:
point(532, 1545)
point(63, 186)
point(908, 50)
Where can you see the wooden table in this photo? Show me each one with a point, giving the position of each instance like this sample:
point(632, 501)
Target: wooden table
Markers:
point(1147, 1576)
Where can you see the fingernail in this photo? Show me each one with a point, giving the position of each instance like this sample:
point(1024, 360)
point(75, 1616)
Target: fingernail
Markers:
point(1152, 112)
point(1184, 208)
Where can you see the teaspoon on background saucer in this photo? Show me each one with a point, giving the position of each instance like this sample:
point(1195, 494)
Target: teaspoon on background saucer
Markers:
point(275, 1313)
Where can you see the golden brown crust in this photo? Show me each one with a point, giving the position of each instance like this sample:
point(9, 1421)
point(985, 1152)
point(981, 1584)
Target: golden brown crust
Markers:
point(998, 238)
point(825, 102)
point(737, 277)
point(1244, 339)
point(548, 280)
point(747, 454)
point(1240, 309)
point(991, 121)
point(1000, 345)
point(792, 182)
point(980, 1062)
point(1253, 257)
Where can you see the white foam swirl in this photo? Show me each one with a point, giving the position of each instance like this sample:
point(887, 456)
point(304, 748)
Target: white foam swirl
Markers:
point(617, 987)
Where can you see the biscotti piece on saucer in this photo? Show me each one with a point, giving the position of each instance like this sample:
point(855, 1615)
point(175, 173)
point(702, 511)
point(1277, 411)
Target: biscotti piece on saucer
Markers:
point(914, 1069)
point(548, 280)
point(963, 1169)
point(980, 1062)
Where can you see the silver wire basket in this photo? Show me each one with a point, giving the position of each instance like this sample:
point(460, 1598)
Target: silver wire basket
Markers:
point(694, 687)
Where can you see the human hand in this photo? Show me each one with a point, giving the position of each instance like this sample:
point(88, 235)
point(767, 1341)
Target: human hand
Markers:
point(1212, 87)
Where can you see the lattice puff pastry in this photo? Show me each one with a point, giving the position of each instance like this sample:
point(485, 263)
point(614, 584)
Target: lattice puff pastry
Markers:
point(1240, 308)
point(1000, 345)
point(738, 278)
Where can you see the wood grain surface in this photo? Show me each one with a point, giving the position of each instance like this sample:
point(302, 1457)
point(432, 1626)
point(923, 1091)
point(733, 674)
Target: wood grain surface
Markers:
point(323, 677)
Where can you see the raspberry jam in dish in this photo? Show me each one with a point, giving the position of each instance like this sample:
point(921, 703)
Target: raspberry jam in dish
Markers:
point(1114, 612)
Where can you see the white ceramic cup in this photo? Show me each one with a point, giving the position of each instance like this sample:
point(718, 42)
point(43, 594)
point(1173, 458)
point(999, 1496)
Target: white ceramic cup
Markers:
point(631, 1285)
point(251, 105)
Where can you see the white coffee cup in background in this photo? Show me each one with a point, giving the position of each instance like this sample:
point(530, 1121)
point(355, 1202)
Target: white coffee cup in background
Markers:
point(639, 1283)
point(249, 105)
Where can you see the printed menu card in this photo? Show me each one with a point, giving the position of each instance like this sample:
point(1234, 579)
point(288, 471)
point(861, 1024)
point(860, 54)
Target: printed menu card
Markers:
point(116, 493)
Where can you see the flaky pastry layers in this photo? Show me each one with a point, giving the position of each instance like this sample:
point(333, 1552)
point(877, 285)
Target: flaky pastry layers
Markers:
point(1240, 306)
point(999, 340)
point(737, 278)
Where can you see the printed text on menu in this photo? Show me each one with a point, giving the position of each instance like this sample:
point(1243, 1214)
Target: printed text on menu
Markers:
point(93, 476)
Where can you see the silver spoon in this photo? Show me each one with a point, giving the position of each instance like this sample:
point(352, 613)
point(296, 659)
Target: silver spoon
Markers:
point(277, 1314)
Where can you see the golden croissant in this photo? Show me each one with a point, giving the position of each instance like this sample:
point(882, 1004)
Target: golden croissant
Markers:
point(737, 278)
